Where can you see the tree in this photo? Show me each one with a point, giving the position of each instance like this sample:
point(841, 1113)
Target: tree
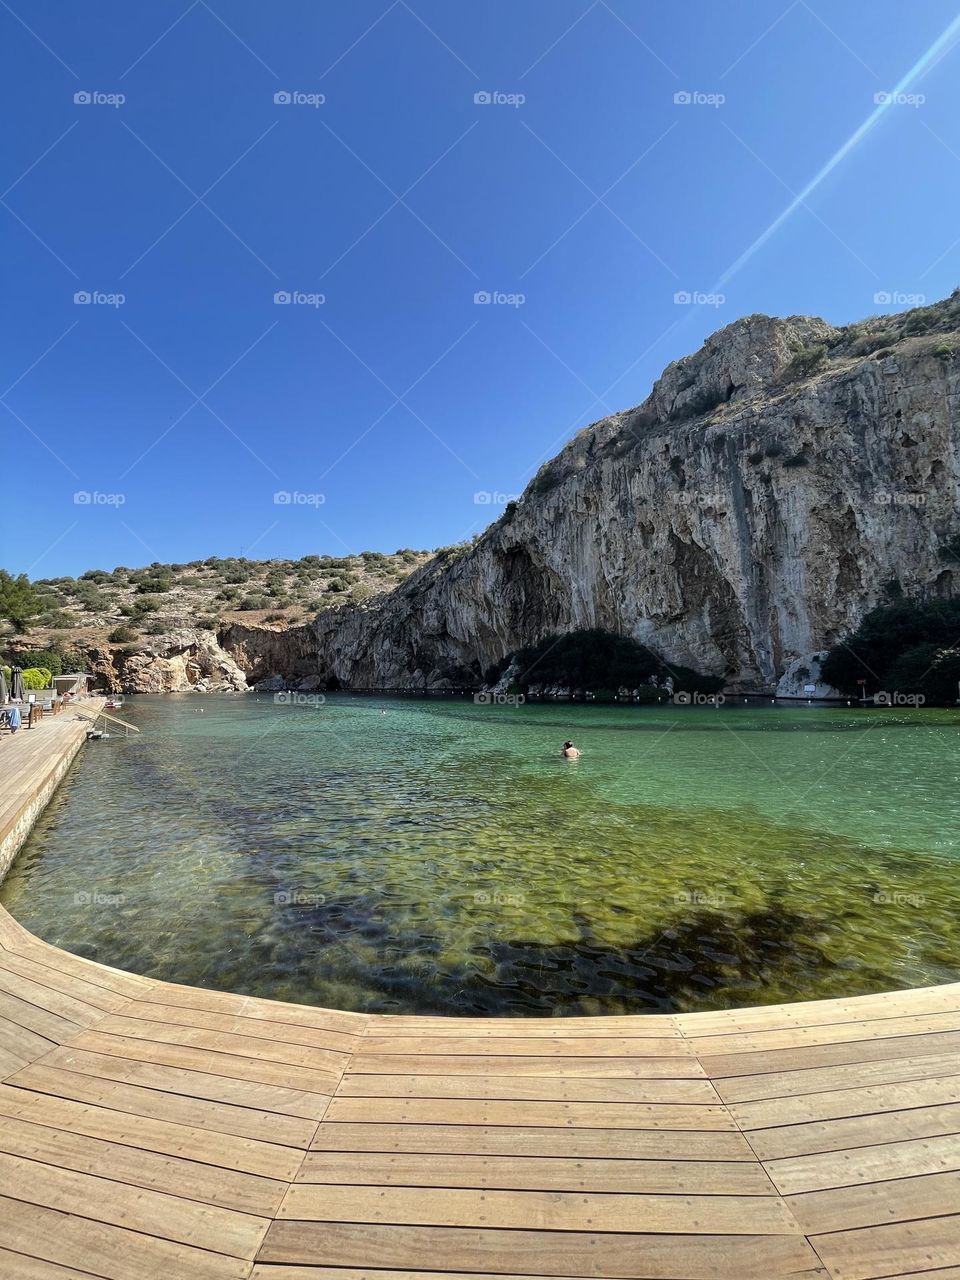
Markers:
point(20, 602)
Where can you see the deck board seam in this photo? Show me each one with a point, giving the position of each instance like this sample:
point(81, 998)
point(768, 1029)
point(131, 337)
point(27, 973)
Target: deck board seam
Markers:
point(773, 1187)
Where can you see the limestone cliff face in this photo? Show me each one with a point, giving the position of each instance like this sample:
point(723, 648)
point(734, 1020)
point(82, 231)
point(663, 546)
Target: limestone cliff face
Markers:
point(202, 661)
point(744, 516)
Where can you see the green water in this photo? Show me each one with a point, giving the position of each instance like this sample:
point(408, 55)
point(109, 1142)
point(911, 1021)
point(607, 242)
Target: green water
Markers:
point(437, 856)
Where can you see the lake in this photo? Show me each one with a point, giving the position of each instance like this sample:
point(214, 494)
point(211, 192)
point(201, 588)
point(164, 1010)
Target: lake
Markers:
point(437, 856)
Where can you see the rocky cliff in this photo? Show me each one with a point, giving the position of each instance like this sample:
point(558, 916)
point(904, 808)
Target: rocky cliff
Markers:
point(234, 657)
point(769, 490)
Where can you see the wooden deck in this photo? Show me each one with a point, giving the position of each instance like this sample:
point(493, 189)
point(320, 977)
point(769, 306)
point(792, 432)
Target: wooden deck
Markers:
point(158, 1132)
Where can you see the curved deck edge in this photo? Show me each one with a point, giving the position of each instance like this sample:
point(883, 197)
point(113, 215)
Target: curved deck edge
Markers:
point(149, 1129)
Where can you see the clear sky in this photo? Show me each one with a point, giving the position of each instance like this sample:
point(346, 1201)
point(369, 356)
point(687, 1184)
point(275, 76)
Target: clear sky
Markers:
point(383, 398)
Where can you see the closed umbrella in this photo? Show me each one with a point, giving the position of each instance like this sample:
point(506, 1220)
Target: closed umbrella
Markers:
point(4, 692)
point(16, 685)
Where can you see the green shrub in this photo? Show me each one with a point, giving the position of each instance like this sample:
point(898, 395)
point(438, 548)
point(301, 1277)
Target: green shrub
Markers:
point(56, 618)
point(37, 678)
point(46, 658)
point(20, 602)
point(884, 648)
point(122, 634)
point(806, 361)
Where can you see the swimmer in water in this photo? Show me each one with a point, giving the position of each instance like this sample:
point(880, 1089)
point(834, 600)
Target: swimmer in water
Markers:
point(570, 752)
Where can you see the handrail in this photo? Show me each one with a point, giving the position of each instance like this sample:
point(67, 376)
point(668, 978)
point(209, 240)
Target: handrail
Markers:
point(107, 716)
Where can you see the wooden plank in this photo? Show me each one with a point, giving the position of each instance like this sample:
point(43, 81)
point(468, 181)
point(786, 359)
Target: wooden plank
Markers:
point(813, 1012)
point(221, 1042)
point(901, 1200)
point(865, 1164)
point(86, 992)
point(683, 1067)
point(637, 1144)
point(833, 1033)
point(151, 1212)
point(657, 1026)
point(587, 1115)
point(240, 1024)
point(556, 1173)
point(270, 1271)
point(304, 1015)
point(10, 1063)
point(33, 948)
point(21, 1013)
point(838, 1103)
point(106, 1251)
point(219, 1117)
point(884, 1251)
point(265, 1158)
point(68, 1013)
point(555, 1211)
point(831, 1055)
point(293, 1108)
point(223, 1065)
point(140, 1167)
point(855, 1131)
point(635, 1046)
point(853, 1075)
point(21, 1043)
point(531, 1088)
point(15, 1266)
point(544, 1253)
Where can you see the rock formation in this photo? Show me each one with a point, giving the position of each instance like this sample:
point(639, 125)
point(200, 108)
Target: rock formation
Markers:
point(768, 491)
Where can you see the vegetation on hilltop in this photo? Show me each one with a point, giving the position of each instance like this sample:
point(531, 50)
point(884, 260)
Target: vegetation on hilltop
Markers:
point(120, 605)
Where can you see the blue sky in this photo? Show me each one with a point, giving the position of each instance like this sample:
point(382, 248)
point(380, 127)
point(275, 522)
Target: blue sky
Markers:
point(581, 195)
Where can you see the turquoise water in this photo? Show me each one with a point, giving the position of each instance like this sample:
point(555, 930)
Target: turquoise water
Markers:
point(436, 856)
